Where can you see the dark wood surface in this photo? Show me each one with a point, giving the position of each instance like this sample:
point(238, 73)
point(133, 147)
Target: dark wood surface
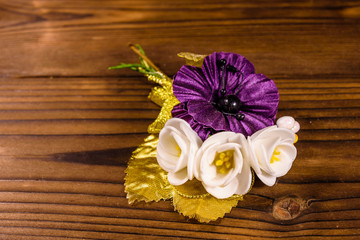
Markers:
point(68, 125)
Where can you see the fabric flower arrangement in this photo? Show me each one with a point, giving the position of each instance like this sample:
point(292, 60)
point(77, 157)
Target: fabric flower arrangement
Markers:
point(215, 130)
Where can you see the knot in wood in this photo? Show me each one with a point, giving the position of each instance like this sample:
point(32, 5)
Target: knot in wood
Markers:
point(288, 208)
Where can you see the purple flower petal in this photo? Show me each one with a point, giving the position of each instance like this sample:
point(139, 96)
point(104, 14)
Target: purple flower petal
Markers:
point(240, 126)
point(180, 111)
point(212, 72)
point(189, 84)
point(259, 96)
point(206, 114)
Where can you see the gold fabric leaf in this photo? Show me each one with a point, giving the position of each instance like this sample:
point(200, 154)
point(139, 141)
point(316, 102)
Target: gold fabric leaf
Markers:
point(145, 180)
point(165, 112)
point(192, 58)
point(191, 189)
point(161, 79)
point(164, 97)
point(204, 208)
point(158, 95)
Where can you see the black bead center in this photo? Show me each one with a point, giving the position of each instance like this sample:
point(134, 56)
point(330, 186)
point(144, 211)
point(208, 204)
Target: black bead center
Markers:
point(229, 104)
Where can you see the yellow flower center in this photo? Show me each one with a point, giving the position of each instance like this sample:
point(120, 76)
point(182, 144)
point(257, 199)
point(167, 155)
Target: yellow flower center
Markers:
point(179, 150)
point(296, 138)
point(276, 156)
point(224, 161)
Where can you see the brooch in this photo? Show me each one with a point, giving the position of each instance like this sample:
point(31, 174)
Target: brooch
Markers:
point(216, 130)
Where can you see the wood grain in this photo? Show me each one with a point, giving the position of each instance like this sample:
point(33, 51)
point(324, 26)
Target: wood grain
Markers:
point(68, 125)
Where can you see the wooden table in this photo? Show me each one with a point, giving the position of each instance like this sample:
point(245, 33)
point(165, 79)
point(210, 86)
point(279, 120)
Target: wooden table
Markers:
point(68, 125)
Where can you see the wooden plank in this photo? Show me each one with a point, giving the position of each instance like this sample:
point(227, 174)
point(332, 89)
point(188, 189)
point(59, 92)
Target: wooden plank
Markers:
point(280, 38)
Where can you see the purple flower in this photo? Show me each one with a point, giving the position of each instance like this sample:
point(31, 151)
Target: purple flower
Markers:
point(225, 95)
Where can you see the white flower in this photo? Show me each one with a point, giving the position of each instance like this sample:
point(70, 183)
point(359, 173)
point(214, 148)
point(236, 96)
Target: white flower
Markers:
point(221, 166)
point(176, 150)
point(289, 123)
point(272, 153)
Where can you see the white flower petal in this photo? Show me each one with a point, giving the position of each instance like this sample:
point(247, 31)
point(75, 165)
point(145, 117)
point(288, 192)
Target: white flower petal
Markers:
point(218, 138)
point(166, 161)
point(263, 155)
point(288, 123)
point(190, 134)
point(296, 127)
point(175, 123)
point(177, 148)
point(262, 131)
point(252, 160)
point(183, 158)
point(266, 178)
point(223, 192)
point(238, 163)
point(167, 141)
point(285, 122)
point(276, 133)
point(195, 144)
point(178, 178)
point(197, 162)
point(289, 150)
point(244, 180)
point(281, 168)
point(207, 170)
point(287, 156)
